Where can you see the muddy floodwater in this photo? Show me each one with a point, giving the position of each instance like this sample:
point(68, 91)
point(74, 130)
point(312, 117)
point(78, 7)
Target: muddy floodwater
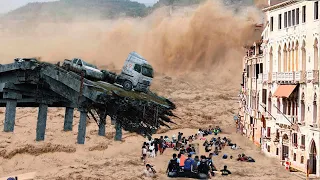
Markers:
point(200, 104)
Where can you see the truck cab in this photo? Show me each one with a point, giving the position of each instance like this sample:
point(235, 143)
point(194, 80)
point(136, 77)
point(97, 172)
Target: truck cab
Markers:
point(136, 73)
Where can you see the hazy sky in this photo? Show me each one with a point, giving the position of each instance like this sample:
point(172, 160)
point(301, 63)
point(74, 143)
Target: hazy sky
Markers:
point(7, 5)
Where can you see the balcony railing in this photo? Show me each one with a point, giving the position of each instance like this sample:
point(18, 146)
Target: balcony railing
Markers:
point(289, 76)
point(274, 76)
point(313, 76)
point(285, 76)
point(254, 59)
point(302, 147)
point(265, 77)
point(280, 76)
point(286, 120)
point(300, 76)
point(293, 76)
point(285, 141)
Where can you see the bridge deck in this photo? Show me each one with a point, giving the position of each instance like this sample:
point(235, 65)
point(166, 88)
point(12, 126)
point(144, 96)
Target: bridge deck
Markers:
point(43, 85)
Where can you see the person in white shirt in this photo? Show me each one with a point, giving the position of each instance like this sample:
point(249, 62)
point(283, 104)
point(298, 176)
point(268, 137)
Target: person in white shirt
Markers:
point(174, 138)
point(234, 147)
point(144, 154)
point(149, 171)
point(149, 140)
point(152, 150)
point(200, 133)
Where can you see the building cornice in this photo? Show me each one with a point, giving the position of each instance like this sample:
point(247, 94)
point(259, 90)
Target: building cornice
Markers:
point(279, 5)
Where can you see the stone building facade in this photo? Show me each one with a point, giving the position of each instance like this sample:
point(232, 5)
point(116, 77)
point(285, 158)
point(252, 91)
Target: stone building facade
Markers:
point(280, 97)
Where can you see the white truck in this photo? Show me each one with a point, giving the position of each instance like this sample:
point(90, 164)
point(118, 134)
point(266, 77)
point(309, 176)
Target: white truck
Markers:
point(136, 73)
point(79, 66)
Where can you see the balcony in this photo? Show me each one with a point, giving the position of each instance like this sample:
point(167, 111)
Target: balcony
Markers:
point(254, 59)
point(285, 76)
point(273, 76)
point(289, 76)
point(300, 76)
point(302, 147)
point(292, 77)
point(281, 120)
point(313, 76)
point(266, 138)
point(279, 76)
point(285, 141)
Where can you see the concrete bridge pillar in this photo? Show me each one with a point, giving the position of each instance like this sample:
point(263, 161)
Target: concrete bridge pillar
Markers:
point(42, 122)
point(10, 115)
point(102, 129)
point(82, 126)
point(118, 136)
point(102, 125)
point(11, 105)
point(113, 121)
point(68, 119)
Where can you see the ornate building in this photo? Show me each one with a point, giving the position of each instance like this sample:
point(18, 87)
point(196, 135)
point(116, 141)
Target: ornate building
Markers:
point(280, 89)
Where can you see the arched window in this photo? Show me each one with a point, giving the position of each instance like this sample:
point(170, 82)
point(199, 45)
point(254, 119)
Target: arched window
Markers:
point(303, 51)
point(293, 108)
point(297, 56)
point(303, 108)
point(289, 58)
point(315, 109)
point(279, 58)
point(271, 61)
point(289, 107)
point(292, 57)
point(316, 54)
point(284, 106)
point(270, 103)
point(285, 58)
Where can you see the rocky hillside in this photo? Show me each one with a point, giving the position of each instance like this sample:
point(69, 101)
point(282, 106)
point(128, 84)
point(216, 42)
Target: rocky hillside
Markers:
point(70, 10)
point(67, 10)
point(177, 2)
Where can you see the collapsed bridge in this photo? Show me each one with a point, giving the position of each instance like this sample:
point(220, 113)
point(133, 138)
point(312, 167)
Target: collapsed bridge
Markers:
point(30, 83)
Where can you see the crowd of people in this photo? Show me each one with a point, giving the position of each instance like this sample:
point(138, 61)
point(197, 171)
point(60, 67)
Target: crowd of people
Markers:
point(152, 147)
point(184, 165)
point(186, 162)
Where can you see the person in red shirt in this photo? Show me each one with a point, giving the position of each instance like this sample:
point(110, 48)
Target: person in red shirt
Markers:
point(181, 159)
